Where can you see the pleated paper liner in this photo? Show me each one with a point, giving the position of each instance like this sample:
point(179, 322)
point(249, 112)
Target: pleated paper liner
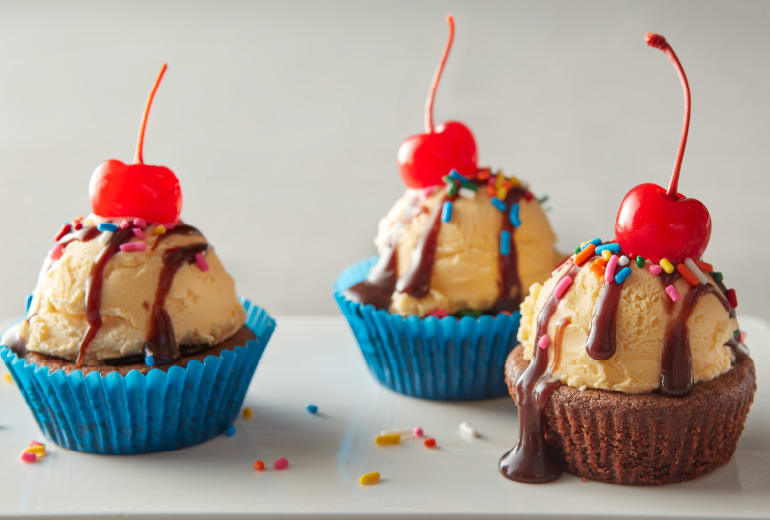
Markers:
point(139, 413)
point(432, 358)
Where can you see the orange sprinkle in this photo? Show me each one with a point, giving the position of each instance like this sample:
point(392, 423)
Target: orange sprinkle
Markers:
point(259, 465)
point(687, 274)
point(598, 267)
point(704, 266)
point(430, 442)
point(585, 254)
point(507, 184)
point(491, 190)
point(483, 175)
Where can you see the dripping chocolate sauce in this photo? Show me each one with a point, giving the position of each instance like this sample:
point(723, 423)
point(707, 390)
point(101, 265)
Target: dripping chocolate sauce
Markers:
point(383, 280)
point(161, 340)
point(532, 460)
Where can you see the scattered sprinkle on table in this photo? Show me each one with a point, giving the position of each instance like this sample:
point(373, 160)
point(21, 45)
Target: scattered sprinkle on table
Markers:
point(417, 431)
point(281, 463)
point(34, 452)
point(259, 465)
point(388, 439)
point(369, 478)
point(7, 378)
point(311, 408)
point(230, 430)
point(468, 431)
point(430, 442)
point(247, 413)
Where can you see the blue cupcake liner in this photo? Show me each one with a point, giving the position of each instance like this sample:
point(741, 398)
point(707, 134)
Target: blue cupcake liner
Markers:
point(140, 413)
point(432, 358)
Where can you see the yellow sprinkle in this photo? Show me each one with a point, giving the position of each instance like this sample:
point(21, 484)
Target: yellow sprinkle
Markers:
point(499, 180)
point(7, 378)
point(88, 223)
point(37, 450)
point(514, 180)
point(369, 478)
point(247, 413)
point(666, 265)
point(606, 254)
point(502, 193)
point(387, 439)
point(159, 229)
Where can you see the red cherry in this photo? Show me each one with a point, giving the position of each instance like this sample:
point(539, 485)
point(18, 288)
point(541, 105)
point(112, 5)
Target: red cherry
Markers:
point(423, 159)
point(136, 190)
point(657, 223)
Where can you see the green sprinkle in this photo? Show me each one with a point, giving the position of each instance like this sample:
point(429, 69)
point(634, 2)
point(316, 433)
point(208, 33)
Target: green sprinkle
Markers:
point(717, 276)
point(640, 261)
point(470, 312)
point(470, 186)
point(453, 190)
point(577, 249)
point(542, 199)
point(737, 333)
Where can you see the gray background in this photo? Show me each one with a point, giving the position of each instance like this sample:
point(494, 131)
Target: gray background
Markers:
point(282, 121)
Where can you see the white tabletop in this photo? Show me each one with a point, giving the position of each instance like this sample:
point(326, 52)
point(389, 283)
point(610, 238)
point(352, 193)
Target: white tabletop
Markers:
point(315, 360)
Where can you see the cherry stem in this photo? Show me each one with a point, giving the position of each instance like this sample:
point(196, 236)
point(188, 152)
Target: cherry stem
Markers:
point(138, 159)
point(437, 76)
point(659, 42)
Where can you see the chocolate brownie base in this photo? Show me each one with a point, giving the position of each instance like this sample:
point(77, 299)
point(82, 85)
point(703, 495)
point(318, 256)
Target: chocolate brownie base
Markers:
point(243, 335)
point(645, 439)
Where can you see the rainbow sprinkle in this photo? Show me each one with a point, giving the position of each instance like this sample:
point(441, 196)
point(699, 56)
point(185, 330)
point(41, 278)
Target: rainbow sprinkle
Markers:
point(613, 247)
point(622, 275)
point(368, 479)
point(281, 463)
point(562, 287)
point(513, 215)
point(498, 204)
point(666, 265)
point(200, 261)
point(543, 342)
point(673, 293)
point(446, 211)
point(655, 269)
point(131, 247)
point(106, 226)
point(609, 271)
point(692, 266)
point(505, 242)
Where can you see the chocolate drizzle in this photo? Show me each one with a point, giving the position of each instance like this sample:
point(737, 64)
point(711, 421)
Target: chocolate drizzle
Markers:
point(416, 281)
point(179, 229)
point(531, 460)
point(383, 280)
point(602, 338)
point(676, 377)
point(510, 284)
point(93, 289)
point(161, 340)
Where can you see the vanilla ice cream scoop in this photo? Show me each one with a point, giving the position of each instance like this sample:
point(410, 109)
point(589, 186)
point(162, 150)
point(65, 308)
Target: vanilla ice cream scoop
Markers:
point(460, 248)
point(629, 336)
point(108, 292)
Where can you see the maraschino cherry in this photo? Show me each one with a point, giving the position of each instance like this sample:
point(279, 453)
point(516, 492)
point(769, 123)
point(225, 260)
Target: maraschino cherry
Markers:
point(657, 223)
point(136, 190)
point(423, 159)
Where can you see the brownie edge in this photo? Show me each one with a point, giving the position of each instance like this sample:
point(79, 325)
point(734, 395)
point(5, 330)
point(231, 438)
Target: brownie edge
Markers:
point(645, 439)
point(241, 336)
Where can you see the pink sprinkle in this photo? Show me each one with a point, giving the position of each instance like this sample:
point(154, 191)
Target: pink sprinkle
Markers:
point(742, 336)
point(140, 222)
point(138, 233)
point(562, 287)
point(544, 342)
point(417, 431)
point(131, 247)
point(35, 443)
point(57, 251)
point(28, 456)
point(124, 224)
point(201, 262)
point(609, 271)
point(281, 463)
point(673, 293)
point(439, 313)
point(655, 269)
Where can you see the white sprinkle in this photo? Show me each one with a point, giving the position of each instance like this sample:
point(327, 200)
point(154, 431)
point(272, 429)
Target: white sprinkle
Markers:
point(465, 192)
point(403, 432)
point(692, 266)
point(623, 260)
point(105, 237)
point(467, 431)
